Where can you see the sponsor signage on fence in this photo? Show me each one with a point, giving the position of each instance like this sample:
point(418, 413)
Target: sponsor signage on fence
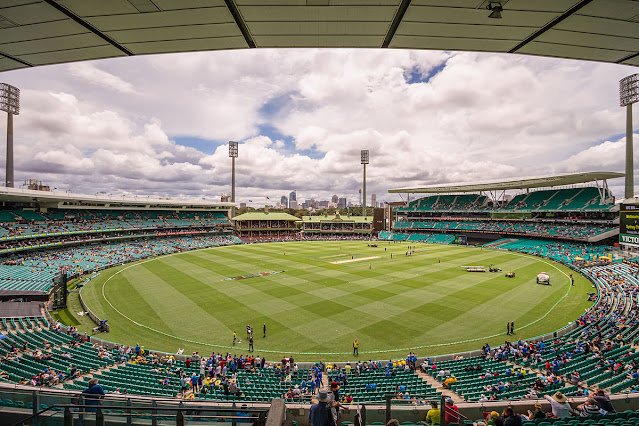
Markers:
point(629, 224)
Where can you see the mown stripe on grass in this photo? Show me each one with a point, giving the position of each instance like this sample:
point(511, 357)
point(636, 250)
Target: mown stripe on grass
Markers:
point(359, 278)
point(125, 295)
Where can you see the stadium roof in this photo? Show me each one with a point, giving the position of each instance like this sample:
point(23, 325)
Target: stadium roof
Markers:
point(266, 216)
point(506, 184)
point(103, 200)
point(42, 32)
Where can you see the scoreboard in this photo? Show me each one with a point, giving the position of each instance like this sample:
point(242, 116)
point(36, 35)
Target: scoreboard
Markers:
point(629, 224)
point(460, 239)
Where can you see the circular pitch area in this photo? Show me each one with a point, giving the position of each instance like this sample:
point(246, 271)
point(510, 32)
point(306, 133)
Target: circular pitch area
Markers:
point(317, 297)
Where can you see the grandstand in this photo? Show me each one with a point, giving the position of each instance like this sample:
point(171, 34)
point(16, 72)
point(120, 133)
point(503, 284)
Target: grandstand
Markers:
point(599, 30)
point(52, 234)
point(335, 226)
point(575, 231)
point(58, 357)
point(576, 194)
point(576, 207)
point(266, 226)
point(39, 242)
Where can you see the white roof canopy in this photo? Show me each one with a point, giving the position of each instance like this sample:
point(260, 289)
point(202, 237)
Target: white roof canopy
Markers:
point(104, 200)
point(506, 184)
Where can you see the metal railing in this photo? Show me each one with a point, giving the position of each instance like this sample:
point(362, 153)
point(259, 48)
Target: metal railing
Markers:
point(71, 413)
point(20, 405)
point(441, 400)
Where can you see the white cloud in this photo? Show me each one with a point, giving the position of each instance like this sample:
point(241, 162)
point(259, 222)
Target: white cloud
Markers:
point(302, 117)
point(91, 73)
point(605, 156)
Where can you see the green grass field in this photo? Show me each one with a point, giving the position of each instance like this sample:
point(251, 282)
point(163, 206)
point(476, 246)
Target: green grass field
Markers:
point(316, 307)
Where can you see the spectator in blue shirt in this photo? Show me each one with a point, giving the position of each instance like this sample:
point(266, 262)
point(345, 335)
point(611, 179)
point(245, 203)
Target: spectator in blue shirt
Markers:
point(243, 414)
point(320, 413)
point(93, 394)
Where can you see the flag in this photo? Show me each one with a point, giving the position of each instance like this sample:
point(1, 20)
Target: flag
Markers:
point(267, 198)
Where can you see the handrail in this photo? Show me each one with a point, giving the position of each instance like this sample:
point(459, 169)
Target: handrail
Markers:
point(99, 411)
point(427, 397)
point(33, 416)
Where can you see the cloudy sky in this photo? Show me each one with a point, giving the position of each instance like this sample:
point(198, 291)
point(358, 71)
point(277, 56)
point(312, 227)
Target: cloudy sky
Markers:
point(160, 125)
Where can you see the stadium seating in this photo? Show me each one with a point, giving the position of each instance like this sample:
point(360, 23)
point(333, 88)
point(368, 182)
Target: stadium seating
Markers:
point(47, 351)
point(526, 228)
point(35, 270)
point(481, 377)
point(7, 216)
point(255, 384)
point(447, 203)
point(568, 253)
point(596, 353)
point(580, 199)
point(418, 237)
point(501, 373)
point(440, 239)
point(615, 319)
point(21, 224)
point(387, 380)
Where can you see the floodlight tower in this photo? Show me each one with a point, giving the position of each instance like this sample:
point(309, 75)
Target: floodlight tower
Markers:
point(233, 155)
point(628, 95)
point(364, 161)
point(10, 103)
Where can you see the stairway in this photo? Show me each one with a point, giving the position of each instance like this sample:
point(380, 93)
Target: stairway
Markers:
point(438, 386)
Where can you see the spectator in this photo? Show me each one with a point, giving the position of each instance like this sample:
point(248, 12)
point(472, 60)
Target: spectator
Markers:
point(320, 413)
point(495, 419)
point(588, 408)
point(559, 404)
point(93, 394)
point(538, 414)
point(433, 414)
point(512, 418)
point(603, 402)
point(452, 412)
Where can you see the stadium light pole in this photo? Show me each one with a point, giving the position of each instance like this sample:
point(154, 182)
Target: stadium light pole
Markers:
point(233, 155)
point(628, 95)
point(10, 103)
point(364, 160)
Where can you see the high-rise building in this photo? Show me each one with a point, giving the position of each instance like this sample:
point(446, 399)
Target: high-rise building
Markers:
point(341, 203)
point(292, 204)
point(373, 200)
point(292, 196)
point(335, 199)
point(284, 201)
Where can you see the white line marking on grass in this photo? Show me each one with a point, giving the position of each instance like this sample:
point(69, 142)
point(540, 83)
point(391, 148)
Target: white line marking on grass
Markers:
point(334, 255)
point(339, 262)
point(555, 305)
point(552, 265)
